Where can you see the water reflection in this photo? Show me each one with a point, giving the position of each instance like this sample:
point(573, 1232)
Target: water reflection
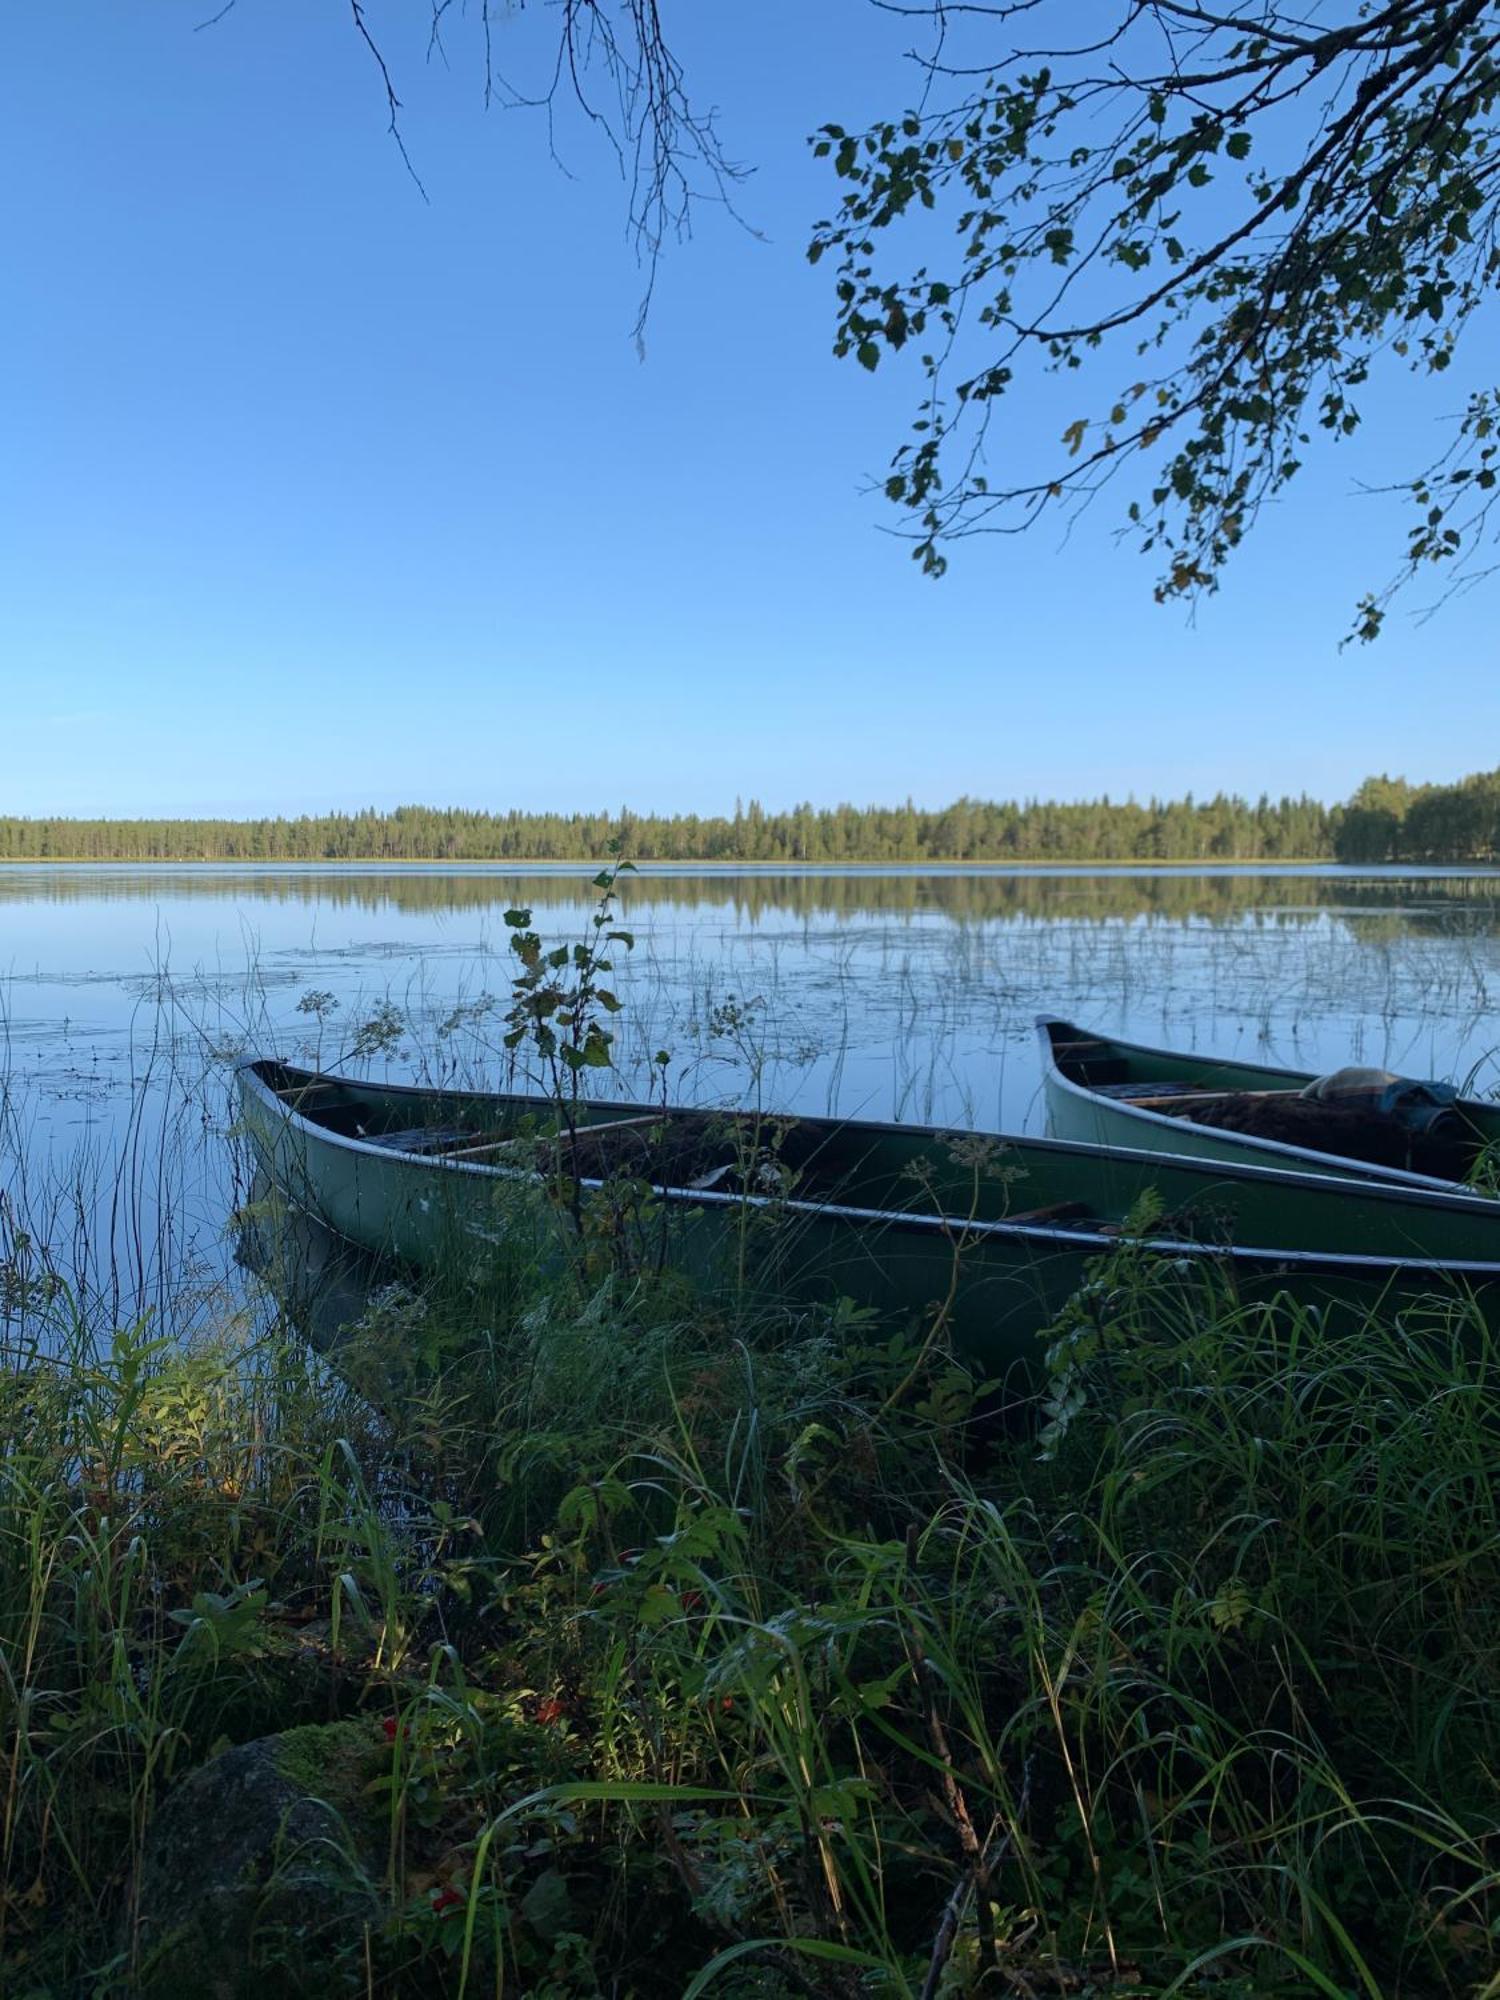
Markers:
point(321, 1285)
point(1421, 900)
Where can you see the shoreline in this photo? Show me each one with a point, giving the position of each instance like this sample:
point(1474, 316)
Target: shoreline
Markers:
point(1042, 865)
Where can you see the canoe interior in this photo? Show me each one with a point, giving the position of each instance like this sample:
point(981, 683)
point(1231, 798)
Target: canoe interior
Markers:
point(1098, 1062)
point(895, 1169)
point(1266, 1103)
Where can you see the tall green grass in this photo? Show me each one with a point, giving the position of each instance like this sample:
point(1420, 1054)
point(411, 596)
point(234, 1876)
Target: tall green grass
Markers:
point(705, 1656)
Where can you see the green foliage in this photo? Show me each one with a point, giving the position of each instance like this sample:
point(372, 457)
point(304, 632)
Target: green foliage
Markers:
point(1241, 211)
point(747, 1659)
point(968, 830)
point(1386, 819)
point(559, 1003)
point(1390, 820)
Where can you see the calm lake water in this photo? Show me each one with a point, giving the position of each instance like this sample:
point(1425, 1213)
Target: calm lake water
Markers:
point(893, 994)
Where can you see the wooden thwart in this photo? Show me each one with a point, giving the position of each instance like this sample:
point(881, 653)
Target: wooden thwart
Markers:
point(423, 1139)
point(1055, 1211)
point(585, 1132)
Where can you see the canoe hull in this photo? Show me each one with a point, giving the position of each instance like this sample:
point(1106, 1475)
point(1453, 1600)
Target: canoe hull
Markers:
point(991, 1281)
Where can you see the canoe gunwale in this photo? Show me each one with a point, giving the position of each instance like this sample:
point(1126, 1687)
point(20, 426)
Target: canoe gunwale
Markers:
point(961, 1233)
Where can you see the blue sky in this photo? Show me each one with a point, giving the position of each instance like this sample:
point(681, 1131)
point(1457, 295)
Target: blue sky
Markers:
point(316, 495)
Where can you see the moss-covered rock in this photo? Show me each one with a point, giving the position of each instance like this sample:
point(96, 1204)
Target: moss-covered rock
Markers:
point(261, 1868)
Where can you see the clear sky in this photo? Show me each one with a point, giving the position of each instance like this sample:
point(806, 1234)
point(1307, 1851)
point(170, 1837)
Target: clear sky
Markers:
point(314, 495)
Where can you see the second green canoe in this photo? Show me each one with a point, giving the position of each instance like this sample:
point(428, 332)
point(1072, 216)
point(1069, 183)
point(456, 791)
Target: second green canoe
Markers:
point(1365, 1125)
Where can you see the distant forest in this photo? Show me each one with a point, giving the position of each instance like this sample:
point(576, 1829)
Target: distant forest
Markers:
point(1386, 820)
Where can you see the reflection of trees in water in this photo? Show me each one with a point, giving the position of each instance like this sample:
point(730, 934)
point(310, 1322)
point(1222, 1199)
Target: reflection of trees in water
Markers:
point(1471, 915)
point(1423, 905)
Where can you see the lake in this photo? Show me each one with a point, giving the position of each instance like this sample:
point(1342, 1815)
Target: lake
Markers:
point(126, 992)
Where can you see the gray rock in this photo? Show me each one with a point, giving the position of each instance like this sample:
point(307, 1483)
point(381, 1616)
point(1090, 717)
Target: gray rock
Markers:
point(260, 1869)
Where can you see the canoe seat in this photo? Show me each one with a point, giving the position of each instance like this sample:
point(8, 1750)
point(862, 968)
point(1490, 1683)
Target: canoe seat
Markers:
point(421, 1139)
point(1157, 1091)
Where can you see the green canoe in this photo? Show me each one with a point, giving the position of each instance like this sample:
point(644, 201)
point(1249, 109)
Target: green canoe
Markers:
point(996, 1232)
point(1101, 1091)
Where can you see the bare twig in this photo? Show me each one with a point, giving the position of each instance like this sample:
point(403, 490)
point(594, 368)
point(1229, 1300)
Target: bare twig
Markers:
point(393, 102)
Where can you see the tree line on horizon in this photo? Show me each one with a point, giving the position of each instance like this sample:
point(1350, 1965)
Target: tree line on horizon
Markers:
point(1387, 819)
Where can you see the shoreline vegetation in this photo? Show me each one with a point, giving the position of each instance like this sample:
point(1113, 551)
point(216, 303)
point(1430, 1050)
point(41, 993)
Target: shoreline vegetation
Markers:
point(1386, 820)
point(588, 1631)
